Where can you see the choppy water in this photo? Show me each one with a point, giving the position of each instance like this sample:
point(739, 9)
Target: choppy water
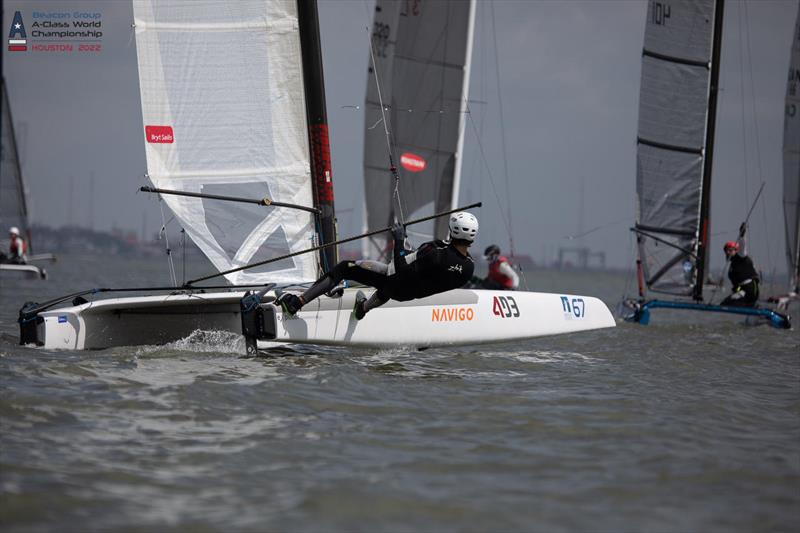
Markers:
point(689, 424)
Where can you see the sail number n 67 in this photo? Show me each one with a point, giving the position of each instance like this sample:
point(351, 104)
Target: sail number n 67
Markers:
point(574, 307)
point(505, 307)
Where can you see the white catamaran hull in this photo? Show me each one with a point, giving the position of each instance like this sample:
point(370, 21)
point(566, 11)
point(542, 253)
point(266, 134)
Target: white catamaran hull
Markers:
point(25, 271)
point(459, 317)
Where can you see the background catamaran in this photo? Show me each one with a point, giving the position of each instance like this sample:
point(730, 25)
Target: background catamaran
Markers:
point(13, 201)
point(233, 102)
point(675, 152)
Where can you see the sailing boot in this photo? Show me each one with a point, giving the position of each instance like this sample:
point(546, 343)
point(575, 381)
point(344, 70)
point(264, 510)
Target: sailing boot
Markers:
point(290, 303)
point(358, 309)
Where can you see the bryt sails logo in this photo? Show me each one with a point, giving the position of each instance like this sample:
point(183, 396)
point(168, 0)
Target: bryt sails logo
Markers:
point(17, 38)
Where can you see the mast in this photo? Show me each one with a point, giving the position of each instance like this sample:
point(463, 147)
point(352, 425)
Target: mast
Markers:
point(464, 108)
point(321, 179)
point(705, 198)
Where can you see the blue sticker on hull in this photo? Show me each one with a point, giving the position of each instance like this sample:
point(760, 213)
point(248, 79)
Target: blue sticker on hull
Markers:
point(62, 319)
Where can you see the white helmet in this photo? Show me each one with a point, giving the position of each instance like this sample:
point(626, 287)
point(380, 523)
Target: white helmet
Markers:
point(463, 226)
point(13, 230)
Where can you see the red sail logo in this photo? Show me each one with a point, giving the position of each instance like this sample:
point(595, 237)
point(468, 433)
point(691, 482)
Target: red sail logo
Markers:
point(412, 162)
point(159, 134)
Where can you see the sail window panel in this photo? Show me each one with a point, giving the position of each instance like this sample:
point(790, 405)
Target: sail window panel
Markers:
point(668, 187)
point(666, 268)
point(680, 29)
point(239, 227)
point(673, 103)
point(226, 78)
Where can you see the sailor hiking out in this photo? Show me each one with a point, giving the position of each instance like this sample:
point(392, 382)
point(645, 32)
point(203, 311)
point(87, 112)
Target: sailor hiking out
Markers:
point(16, 248)
point(436, 266)
point(742, 273)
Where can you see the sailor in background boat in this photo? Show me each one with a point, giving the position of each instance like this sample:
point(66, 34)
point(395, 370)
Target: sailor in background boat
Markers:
point(501, 274)
point(16, 248)
point(436, 266)
point(741, 272)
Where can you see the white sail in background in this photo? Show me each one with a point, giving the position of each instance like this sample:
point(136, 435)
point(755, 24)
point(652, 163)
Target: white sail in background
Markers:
point(791, 162)
point(13, 207)
point(673, 115)
point(223, 110)
point(422, 55)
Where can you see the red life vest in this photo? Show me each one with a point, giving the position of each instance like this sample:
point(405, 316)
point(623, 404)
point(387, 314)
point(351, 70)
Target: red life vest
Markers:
point(15, 250)
point(497, 276)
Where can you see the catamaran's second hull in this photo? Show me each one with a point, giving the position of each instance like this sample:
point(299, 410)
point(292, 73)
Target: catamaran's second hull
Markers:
point(459, 317)
point(137, 320)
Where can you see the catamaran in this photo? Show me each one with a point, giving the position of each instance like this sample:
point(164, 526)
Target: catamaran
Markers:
point(233, 102)
point(13, 202)
point(675, 145)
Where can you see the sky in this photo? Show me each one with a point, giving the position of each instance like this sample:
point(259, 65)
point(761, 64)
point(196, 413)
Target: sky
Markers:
point(568, 90)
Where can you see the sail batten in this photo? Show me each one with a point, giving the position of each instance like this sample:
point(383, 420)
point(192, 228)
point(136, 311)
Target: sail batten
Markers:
point(676, 59)
point(223, 110)
point(672, 141)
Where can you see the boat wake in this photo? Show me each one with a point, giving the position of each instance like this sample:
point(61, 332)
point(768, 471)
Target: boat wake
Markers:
point(200, 341)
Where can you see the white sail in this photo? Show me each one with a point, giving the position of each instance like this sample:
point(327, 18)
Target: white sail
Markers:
point(13, 207)
point(422, 55)
point(223, 110)
point(673, 116)
point(791, 162)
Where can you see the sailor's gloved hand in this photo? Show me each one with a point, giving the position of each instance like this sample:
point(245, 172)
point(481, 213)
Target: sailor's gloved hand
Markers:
point(742, 229)
point(398, 232)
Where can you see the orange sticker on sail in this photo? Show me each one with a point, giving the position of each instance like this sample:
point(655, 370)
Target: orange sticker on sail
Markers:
point(412, 162)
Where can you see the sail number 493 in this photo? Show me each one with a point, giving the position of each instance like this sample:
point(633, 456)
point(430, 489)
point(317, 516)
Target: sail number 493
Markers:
point(574, 307)
point(505, 307)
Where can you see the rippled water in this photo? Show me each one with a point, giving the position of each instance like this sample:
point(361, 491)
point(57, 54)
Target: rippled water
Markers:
point(691, 423)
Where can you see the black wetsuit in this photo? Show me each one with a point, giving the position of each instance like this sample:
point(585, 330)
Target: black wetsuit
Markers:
point(434, 267)
point(744, 277)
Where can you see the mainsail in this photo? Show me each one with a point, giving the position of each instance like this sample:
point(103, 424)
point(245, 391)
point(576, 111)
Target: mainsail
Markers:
point(422, 55)
point(676, 113)
point(13, 207)
point(224, 111)
point(791, 162)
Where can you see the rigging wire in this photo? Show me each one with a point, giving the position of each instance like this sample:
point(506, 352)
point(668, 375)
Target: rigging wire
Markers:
point(755, 125)
point(746, 64)
point(502, 134)
point(506, 222)
point(597, 228)
point(392, 168)
point(743, 112)
point(164, 233)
